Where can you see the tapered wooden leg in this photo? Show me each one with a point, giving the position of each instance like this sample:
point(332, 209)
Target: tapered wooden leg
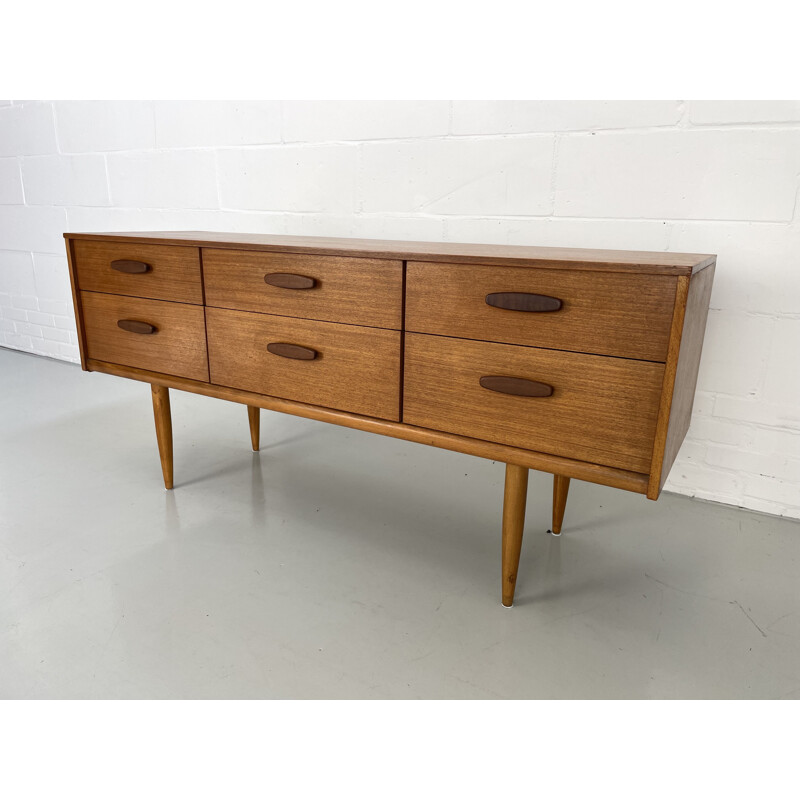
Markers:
point(163, 430)
point(516, 493)
point(560, 489)
point(254, 414)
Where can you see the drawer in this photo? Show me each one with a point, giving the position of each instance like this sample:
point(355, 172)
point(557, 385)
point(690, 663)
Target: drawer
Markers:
point(613, 313)
point(177, 346)
point(346, 367)
point(358, 291)
point(602, 410)
point(160, 272)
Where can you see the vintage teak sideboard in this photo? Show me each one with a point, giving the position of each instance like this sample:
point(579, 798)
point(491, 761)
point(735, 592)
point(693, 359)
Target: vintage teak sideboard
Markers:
point(581, 363)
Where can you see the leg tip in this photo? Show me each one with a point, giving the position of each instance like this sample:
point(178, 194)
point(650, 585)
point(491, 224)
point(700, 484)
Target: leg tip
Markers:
point(554, 533)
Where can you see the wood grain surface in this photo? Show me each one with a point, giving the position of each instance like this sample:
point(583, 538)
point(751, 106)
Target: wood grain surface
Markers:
point(254, 418)
point(618, 315)
point(560, 491)
point(178, 346)
point(357, 291)
point(515, 497)
point(356, 368)
point(545, 462)
point(614, 424)
point(649, 262)
point(76, 301)
point(163, 419)
point(602, 409)
point(680, 379)
point(174, 272)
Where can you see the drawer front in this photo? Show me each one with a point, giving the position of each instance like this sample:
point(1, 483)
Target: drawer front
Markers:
point(117, 327)
point(160, 272)
point(358, 291)
point(602, 410)
point(607, 313)
point(346, 367)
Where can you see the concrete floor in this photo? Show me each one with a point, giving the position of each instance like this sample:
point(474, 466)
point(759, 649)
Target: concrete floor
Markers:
point(340, 564)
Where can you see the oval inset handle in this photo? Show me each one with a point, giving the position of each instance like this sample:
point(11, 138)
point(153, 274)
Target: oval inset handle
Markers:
point(131, 267)
point(135, 326)
point(522, 387)
point(292, 351)
point(523, 301)
point(288, 280)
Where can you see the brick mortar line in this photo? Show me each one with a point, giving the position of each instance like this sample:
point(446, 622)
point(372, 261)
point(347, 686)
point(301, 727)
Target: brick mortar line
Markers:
point(412, 214)
point(499, 136)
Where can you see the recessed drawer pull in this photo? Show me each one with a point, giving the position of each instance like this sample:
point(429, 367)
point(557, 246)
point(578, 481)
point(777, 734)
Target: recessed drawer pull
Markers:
point(289, 280)
point(523, 301)
point(135, 326)
point(522, 387)
point(131, 267)
point(292, 351)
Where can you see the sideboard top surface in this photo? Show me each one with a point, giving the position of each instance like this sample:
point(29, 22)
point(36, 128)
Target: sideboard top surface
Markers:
point(652, 263)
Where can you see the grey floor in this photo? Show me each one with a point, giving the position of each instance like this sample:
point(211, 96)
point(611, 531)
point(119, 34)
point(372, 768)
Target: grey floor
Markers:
point(340, 564)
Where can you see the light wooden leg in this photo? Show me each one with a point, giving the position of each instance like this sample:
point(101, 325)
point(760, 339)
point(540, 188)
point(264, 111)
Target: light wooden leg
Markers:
point(163, 430)
point(560, 489)
point(514, 499)
point(254, 414)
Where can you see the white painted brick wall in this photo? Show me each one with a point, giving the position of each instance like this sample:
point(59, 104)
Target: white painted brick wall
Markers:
point(163, 179)
point(521, 116)
point(734, 174)
point(204, 123)
point(692, 176)
point(100, 126)
point(27, 129)
point(316, 179)
point(480, 176)
point(10, 182)
point(65, 180)
point(345, 120)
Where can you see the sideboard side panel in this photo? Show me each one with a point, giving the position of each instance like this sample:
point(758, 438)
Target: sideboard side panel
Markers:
point(76, 303)
point(682, 369)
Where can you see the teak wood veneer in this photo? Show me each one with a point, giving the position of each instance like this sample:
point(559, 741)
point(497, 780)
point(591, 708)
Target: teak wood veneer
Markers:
point(581, 363)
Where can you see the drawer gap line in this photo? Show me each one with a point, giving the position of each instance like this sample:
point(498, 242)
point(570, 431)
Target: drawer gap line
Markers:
point(538, 347)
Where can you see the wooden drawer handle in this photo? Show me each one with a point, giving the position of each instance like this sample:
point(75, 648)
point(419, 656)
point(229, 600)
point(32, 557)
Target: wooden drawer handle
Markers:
point(135, 326)
point(292, 351)
point(522, 387)
point(288, 280)
point(131, 267)
point(523, 301)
